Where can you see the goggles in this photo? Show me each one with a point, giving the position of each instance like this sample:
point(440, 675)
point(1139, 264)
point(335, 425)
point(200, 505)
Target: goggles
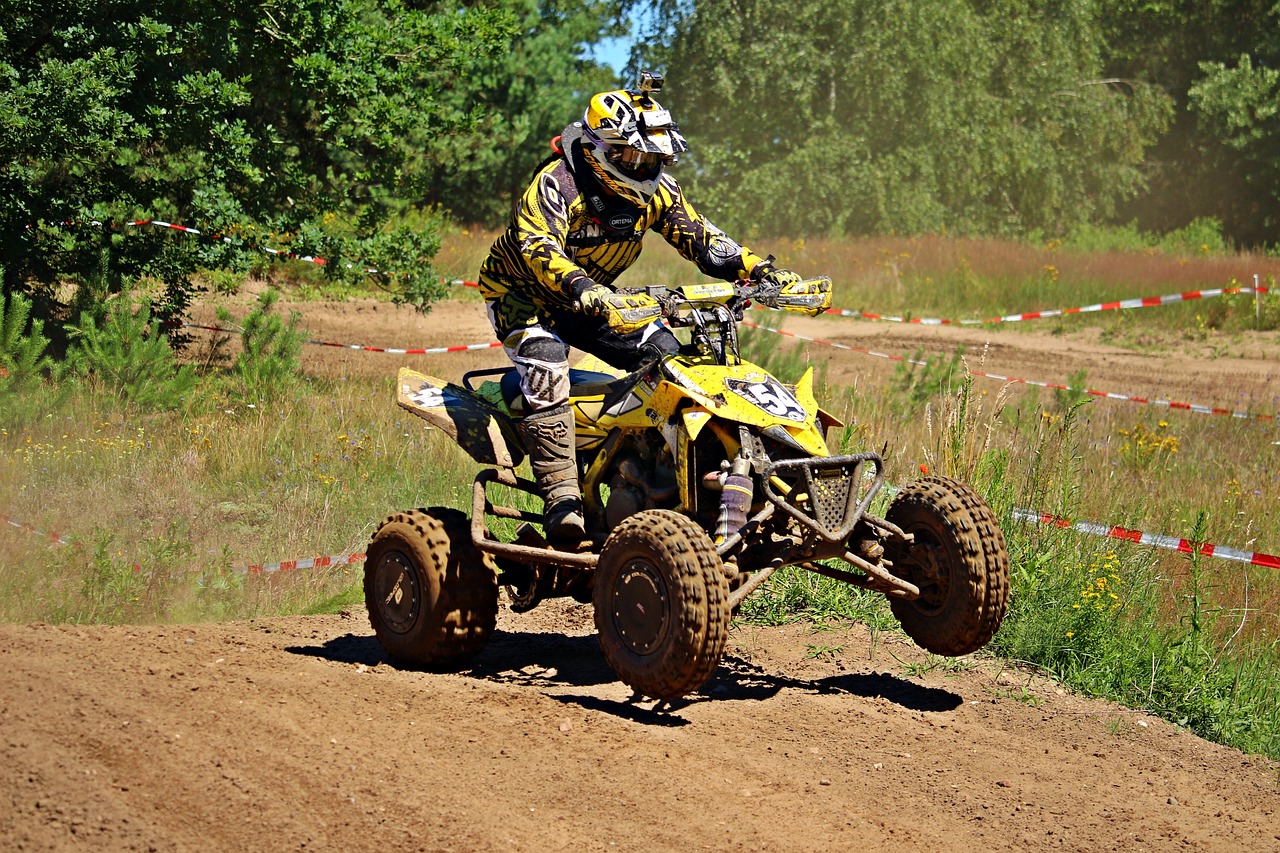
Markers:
point(638, 163)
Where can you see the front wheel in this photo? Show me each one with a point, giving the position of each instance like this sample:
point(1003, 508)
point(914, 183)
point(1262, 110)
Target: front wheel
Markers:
point(661, 604)
point(959, 562)
point(432, 595)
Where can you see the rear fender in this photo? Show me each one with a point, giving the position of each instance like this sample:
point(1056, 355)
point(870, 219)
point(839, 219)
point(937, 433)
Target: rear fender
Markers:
point(488, 435)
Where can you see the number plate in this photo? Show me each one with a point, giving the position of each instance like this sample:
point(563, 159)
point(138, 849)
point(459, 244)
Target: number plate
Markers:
point(770, 396)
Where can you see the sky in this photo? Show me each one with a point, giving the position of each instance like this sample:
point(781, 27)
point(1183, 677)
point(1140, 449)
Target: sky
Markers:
point(613, 52)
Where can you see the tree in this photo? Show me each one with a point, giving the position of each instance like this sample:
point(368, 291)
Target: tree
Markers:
point(1217, 60)
point(291, 123)
point(831, 116)
point(524, 98)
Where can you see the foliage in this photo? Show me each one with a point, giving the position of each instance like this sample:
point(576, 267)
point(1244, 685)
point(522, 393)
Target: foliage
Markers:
point(1219, 159)
point(1201, 237)
point(22, 345)
point(907, 117)
point(1096, 619)
point(527, 95)
point(268, 361)
point(793, 594)
point(125, 352)
point(290, 123)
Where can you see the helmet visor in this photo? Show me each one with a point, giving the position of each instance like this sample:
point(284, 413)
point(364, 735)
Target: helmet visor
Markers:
point(638, 164)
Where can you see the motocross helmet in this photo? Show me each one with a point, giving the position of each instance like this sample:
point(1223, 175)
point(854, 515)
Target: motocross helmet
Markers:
point(627, 138)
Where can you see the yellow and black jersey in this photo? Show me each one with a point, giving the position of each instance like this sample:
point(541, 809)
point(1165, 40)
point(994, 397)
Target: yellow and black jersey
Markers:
point(559, 236)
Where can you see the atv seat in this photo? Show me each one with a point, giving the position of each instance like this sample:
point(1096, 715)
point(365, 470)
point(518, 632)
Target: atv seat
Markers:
point(582, 383)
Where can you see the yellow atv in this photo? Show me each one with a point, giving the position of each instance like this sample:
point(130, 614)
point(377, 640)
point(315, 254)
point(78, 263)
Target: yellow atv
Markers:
point(701, 475)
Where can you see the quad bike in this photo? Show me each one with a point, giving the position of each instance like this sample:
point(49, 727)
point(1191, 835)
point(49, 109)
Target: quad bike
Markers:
point(701, 475)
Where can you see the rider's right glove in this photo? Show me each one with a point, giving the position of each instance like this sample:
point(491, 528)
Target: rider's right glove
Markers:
point(624, 312)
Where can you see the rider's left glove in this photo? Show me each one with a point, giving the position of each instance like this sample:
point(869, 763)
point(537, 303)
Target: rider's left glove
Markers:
point(624, 312)
point(785, 289)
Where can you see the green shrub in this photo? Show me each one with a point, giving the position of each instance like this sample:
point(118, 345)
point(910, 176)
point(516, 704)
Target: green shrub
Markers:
point(1201, 236)
point(269, 360)
point(22, 345)
point(1087, 237)
point(126, 353)
point(1074, 394)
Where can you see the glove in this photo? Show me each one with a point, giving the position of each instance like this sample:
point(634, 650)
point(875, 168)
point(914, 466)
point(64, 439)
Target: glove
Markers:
point(624, 312)
point(779, 288)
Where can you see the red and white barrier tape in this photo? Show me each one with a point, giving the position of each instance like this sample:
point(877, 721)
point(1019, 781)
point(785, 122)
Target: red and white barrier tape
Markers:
point(362, 347)
point(1189, 407)
point(251, 569)
point(1109, 395)
point(1092, 392)
point(27, 528)
point(1155, 540)
point(1141, 302)
point(281, 253)
point(425, 351)
point(295, 565)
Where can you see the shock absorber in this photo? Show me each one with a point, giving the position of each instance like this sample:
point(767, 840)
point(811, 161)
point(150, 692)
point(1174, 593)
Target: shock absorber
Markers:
point(735, 499)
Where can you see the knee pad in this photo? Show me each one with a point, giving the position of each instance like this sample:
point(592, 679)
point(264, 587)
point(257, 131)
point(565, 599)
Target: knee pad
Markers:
point(543, 363)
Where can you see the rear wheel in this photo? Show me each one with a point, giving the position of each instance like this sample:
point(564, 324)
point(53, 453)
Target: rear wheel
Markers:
point(959, 562)
point(661, 604)
point(432, 596)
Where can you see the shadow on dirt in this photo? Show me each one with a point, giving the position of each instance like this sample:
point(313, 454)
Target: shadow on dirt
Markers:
point(738, 679)
point(536, 660)
point(349, 648)
point(545, 661)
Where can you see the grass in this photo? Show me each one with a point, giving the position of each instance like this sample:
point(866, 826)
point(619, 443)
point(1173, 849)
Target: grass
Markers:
point(308, 475)
point(165, 507)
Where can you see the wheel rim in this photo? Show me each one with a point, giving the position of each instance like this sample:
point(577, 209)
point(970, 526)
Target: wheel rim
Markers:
point(641, 606)
point(397, 589)
point(928, 560)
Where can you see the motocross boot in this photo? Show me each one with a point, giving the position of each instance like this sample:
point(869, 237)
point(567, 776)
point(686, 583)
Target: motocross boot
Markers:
point(548, 436)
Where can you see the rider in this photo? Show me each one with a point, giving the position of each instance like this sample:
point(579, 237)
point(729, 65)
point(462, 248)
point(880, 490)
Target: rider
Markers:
point(546, 281)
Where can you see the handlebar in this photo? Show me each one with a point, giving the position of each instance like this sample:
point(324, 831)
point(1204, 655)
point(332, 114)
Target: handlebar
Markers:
point(734, 296)
point(713, 310)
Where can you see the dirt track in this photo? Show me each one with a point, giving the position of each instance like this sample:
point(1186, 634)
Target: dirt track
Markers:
point(297, 734)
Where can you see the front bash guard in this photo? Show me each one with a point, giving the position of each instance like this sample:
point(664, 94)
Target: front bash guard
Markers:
point(826, 493)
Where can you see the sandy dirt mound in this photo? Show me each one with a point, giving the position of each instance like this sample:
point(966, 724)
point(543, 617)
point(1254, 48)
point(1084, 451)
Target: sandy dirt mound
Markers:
point(296, 733)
